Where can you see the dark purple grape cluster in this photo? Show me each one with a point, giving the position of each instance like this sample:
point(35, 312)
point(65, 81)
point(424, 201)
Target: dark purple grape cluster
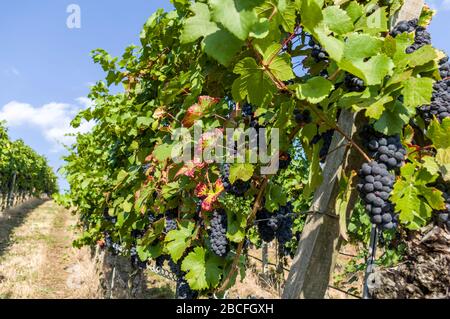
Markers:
point(284, 160)
point(266, 225)
point(443, 216)
point(218, 233)
point(284, 217)
point(444, 68)
point(354, 83)
point(247, 110)
point(384, 149)
point(375, 189)
point(239, 188)
point(440, 101)
point(171, 221)
point(404, 26)
point(278, 224)
point(327, 137)
point(422, 36)
point(317, 52)
point(184, 291)
point(302, 117)
point(175, 268)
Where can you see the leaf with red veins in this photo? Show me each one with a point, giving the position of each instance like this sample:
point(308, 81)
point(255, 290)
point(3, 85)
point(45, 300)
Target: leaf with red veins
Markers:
point(196, 111)
point(201, 190)
point(218, 186)
point(211, 194)
point(190, 168)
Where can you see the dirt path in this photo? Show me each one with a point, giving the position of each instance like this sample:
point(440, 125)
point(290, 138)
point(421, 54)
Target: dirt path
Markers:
point(37, 259)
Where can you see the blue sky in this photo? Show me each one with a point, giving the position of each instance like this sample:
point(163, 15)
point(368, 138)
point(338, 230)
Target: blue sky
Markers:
point(46, 69)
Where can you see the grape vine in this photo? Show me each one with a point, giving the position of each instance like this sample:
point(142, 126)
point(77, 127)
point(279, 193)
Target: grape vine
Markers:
point(197, 68)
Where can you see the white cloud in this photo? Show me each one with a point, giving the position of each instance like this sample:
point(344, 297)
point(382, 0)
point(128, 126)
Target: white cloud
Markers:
point(53, 119)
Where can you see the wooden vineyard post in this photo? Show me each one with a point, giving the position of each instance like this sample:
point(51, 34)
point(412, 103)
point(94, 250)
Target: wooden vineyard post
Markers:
point(319, 244)
point(9, 202)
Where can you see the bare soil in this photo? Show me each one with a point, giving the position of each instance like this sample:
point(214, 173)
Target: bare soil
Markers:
point(37, 259)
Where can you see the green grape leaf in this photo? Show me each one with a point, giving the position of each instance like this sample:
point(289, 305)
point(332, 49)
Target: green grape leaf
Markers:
point(178, 240)
point(214, 270)
point(429, 163)
point(163, 151)
point(195, 267)
point(275, 197)
point(354, 10)
point(413, 211)
point(433, 197)
point(417, 92)
point(315, 173)
point(314, 90)
point(337, 20)
point(199, 25)
point(253, 83)
point(363, 57)
point(376, 109)
point(278, 64)
point(311, 14)
point(443, 160)
point(237, 16)
point(392, 120)
point(242, 171)
point(260, 30)
point(420, 57)
point(284, 14)
point(409, 193)
point(222, 46)
point(439, 133)
point(333, 46)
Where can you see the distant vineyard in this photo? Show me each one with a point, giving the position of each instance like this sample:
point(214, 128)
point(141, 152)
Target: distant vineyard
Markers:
point(23, 172)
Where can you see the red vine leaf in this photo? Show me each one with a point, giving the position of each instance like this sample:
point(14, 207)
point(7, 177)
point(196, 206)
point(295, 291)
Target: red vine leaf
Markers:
point(196, 111)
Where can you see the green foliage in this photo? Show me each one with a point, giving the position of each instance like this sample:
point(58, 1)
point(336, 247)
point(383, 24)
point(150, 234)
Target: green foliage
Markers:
point(205, 58)
point(33, 174)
